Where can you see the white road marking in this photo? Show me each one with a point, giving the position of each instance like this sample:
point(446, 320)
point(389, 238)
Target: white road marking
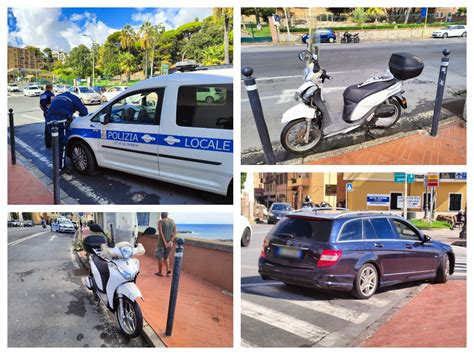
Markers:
point(33, 118)
point(246, 344)
point(321, 306)
point(284, 77)
point(52, 237)
point(283, 321)
point(85, 189)
point(288, 95)
point(18, 241)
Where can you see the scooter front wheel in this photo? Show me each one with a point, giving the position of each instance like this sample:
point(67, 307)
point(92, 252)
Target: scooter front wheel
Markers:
point(293, 136)
point(131, 323)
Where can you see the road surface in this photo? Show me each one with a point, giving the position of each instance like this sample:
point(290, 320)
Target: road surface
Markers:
point(47, 304)
point(275, 315)
point(279, 74)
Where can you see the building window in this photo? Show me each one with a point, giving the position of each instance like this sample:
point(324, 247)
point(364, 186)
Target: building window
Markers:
point(455, 200)
point(394, 200)
point(143, 218)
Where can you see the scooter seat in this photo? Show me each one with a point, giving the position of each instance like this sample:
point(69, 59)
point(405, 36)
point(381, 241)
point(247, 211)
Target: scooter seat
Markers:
point(103, 268)
point(356, 94)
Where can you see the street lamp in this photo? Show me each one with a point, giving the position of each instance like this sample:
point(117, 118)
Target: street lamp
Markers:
point(93, 57)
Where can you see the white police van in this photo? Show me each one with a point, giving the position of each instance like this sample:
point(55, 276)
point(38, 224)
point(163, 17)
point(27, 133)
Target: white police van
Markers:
point(160, 129)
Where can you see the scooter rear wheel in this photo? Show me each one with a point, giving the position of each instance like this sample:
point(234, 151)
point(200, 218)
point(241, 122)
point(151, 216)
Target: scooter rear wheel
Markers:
point(387, 122)
point(132, 322)
point(292, 136)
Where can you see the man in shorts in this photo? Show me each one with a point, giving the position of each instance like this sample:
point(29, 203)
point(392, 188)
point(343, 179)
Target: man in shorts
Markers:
point(166, 237)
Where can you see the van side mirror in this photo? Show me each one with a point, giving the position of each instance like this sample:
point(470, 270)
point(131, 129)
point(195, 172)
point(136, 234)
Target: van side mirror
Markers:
point(104, 118)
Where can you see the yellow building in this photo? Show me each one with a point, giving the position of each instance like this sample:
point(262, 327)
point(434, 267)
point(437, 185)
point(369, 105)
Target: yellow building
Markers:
point(449, 197)
point(294, 187)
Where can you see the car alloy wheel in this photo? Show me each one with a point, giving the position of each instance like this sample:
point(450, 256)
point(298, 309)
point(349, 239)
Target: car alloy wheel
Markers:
point(79, 158)
point(368, 281)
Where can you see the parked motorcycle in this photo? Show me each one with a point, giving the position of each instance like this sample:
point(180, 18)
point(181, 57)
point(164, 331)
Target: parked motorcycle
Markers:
point(114, 271)
point(375, 103)
point(350, 38)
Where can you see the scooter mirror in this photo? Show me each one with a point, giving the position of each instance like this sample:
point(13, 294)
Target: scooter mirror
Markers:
point(304, 55)
point(96, 228)
point(150, 231)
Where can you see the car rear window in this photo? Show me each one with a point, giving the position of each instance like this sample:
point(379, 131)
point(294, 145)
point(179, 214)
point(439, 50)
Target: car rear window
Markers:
point(318, 230)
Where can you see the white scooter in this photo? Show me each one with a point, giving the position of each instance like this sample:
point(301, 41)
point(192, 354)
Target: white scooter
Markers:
point(375, 103)
point(113, 274)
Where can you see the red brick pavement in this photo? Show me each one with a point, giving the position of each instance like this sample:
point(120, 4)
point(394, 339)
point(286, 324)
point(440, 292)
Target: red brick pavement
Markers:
point(436, 317)
point(24, 188)
point(449, 148)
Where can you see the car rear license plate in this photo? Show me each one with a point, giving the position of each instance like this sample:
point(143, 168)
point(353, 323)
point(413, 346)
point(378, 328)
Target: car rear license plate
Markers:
point(290, 253)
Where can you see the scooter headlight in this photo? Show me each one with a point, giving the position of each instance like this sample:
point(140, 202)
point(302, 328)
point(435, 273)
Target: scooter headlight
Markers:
point(126, 251)
point(130, 274)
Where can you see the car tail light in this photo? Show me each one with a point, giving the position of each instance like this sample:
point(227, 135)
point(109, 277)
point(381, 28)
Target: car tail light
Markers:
point(329, 258)
point(266, 243)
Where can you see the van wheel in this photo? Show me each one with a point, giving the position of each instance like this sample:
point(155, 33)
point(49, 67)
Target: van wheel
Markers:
point(230, 190)
point(82, 158)
point(246, 237)
point(443, 270)
point(366, 282)
point(209, 100)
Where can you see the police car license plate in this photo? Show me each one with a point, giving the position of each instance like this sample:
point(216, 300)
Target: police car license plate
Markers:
point(290, 253)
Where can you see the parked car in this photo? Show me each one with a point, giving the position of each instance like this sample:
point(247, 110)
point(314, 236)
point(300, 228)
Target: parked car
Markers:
point(59, 89)
point(324, 35)
point(246, 232)
point(62, 225)
point(32, 90)
point(110, 93)
point(352, 251)
point(28, 223)
point(87, 94)
point(16, 223)
point(450, 31)
point(278, 210)
point(13, 87)
point(209, 95)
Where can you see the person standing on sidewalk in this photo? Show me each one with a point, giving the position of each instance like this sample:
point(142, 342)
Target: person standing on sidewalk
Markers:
point(166, 237)
point(45, 102)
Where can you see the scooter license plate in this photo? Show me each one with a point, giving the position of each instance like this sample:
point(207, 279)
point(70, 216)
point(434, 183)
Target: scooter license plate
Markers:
point(289, 253)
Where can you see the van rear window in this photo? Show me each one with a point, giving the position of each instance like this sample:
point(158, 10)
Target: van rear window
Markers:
point(318, 230)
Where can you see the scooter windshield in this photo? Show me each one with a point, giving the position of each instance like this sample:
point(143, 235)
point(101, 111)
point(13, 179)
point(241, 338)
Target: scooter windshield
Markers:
point(123, 227)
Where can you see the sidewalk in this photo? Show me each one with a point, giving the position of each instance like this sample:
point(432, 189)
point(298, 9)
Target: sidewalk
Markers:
point(24, 188)
point(204, 313)
point(449, 148)
point(436, 317)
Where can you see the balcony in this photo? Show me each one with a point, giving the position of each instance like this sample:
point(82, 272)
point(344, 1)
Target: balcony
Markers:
point(299, 181)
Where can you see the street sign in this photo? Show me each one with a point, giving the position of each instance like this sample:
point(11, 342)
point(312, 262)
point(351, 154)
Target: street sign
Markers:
point(402, 177)
point(412, 202)
point(81, 214)
point(378, 200)
point(349, 187)
point(460, 176)
point(424, 11)
point(432, 180)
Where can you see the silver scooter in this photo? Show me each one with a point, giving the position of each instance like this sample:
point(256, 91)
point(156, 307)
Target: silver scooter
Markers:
point(375, 103)
point(113, 274)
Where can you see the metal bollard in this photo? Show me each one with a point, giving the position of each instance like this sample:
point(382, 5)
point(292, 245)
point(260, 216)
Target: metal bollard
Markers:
point(178, 258)
point(55, 147)
point(443, 71)
point(12, 136)
point(256, 105)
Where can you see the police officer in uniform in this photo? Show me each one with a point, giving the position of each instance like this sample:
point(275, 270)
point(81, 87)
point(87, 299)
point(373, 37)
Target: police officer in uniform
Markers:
point(61, 110)
point(45, 101)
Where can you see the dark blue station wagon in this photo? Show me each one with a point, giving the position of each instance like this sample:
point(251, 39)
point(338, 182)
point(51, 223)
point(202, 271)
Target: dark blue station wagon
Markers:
point(351, 251)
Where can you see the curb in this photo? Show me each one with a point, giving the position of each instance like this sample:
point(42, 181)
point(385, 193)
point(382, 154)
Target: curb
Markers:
point(148, 334)
point(45, 180)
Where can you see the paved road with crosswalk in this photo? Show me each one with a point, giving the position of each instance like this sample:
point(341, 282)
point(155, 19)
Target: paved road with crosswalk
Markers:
point(276, 315)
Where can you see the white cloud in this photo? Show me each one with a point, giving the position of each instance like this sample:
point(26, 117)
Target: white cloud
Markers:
point(44, 27)
point(172, 18)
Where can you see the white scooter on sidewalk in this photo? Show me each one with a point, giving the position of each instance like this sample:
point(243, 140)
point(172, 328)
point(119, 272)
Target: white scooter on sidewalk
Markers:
point(113, 274)
point(375, 103)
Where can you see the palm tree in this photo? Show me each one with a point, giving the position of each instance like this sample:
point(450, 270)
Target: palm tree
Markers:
point(127, 63)
point(376, 12)
point(127, 37)
point(226, 13)
point(157, 31)
point(145, 40)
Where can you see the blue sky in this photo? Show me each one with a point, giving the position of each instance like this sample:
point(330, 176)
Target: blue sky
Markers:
point(63, 28)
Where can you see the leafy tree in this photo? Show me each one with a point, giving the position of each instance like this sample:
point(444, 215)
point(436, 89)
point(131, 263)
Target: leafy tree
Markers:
point(258, 12)
point(127, 37)
point(48, 54)
point(375, 12)
point(188, 29)
point(127, 64)
point(243, 178)
point(225, 14)
point(146, 36)
point(108, 61)
point(359, 15)
point(338, 11)
point(211, 55)
point(80, 61)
